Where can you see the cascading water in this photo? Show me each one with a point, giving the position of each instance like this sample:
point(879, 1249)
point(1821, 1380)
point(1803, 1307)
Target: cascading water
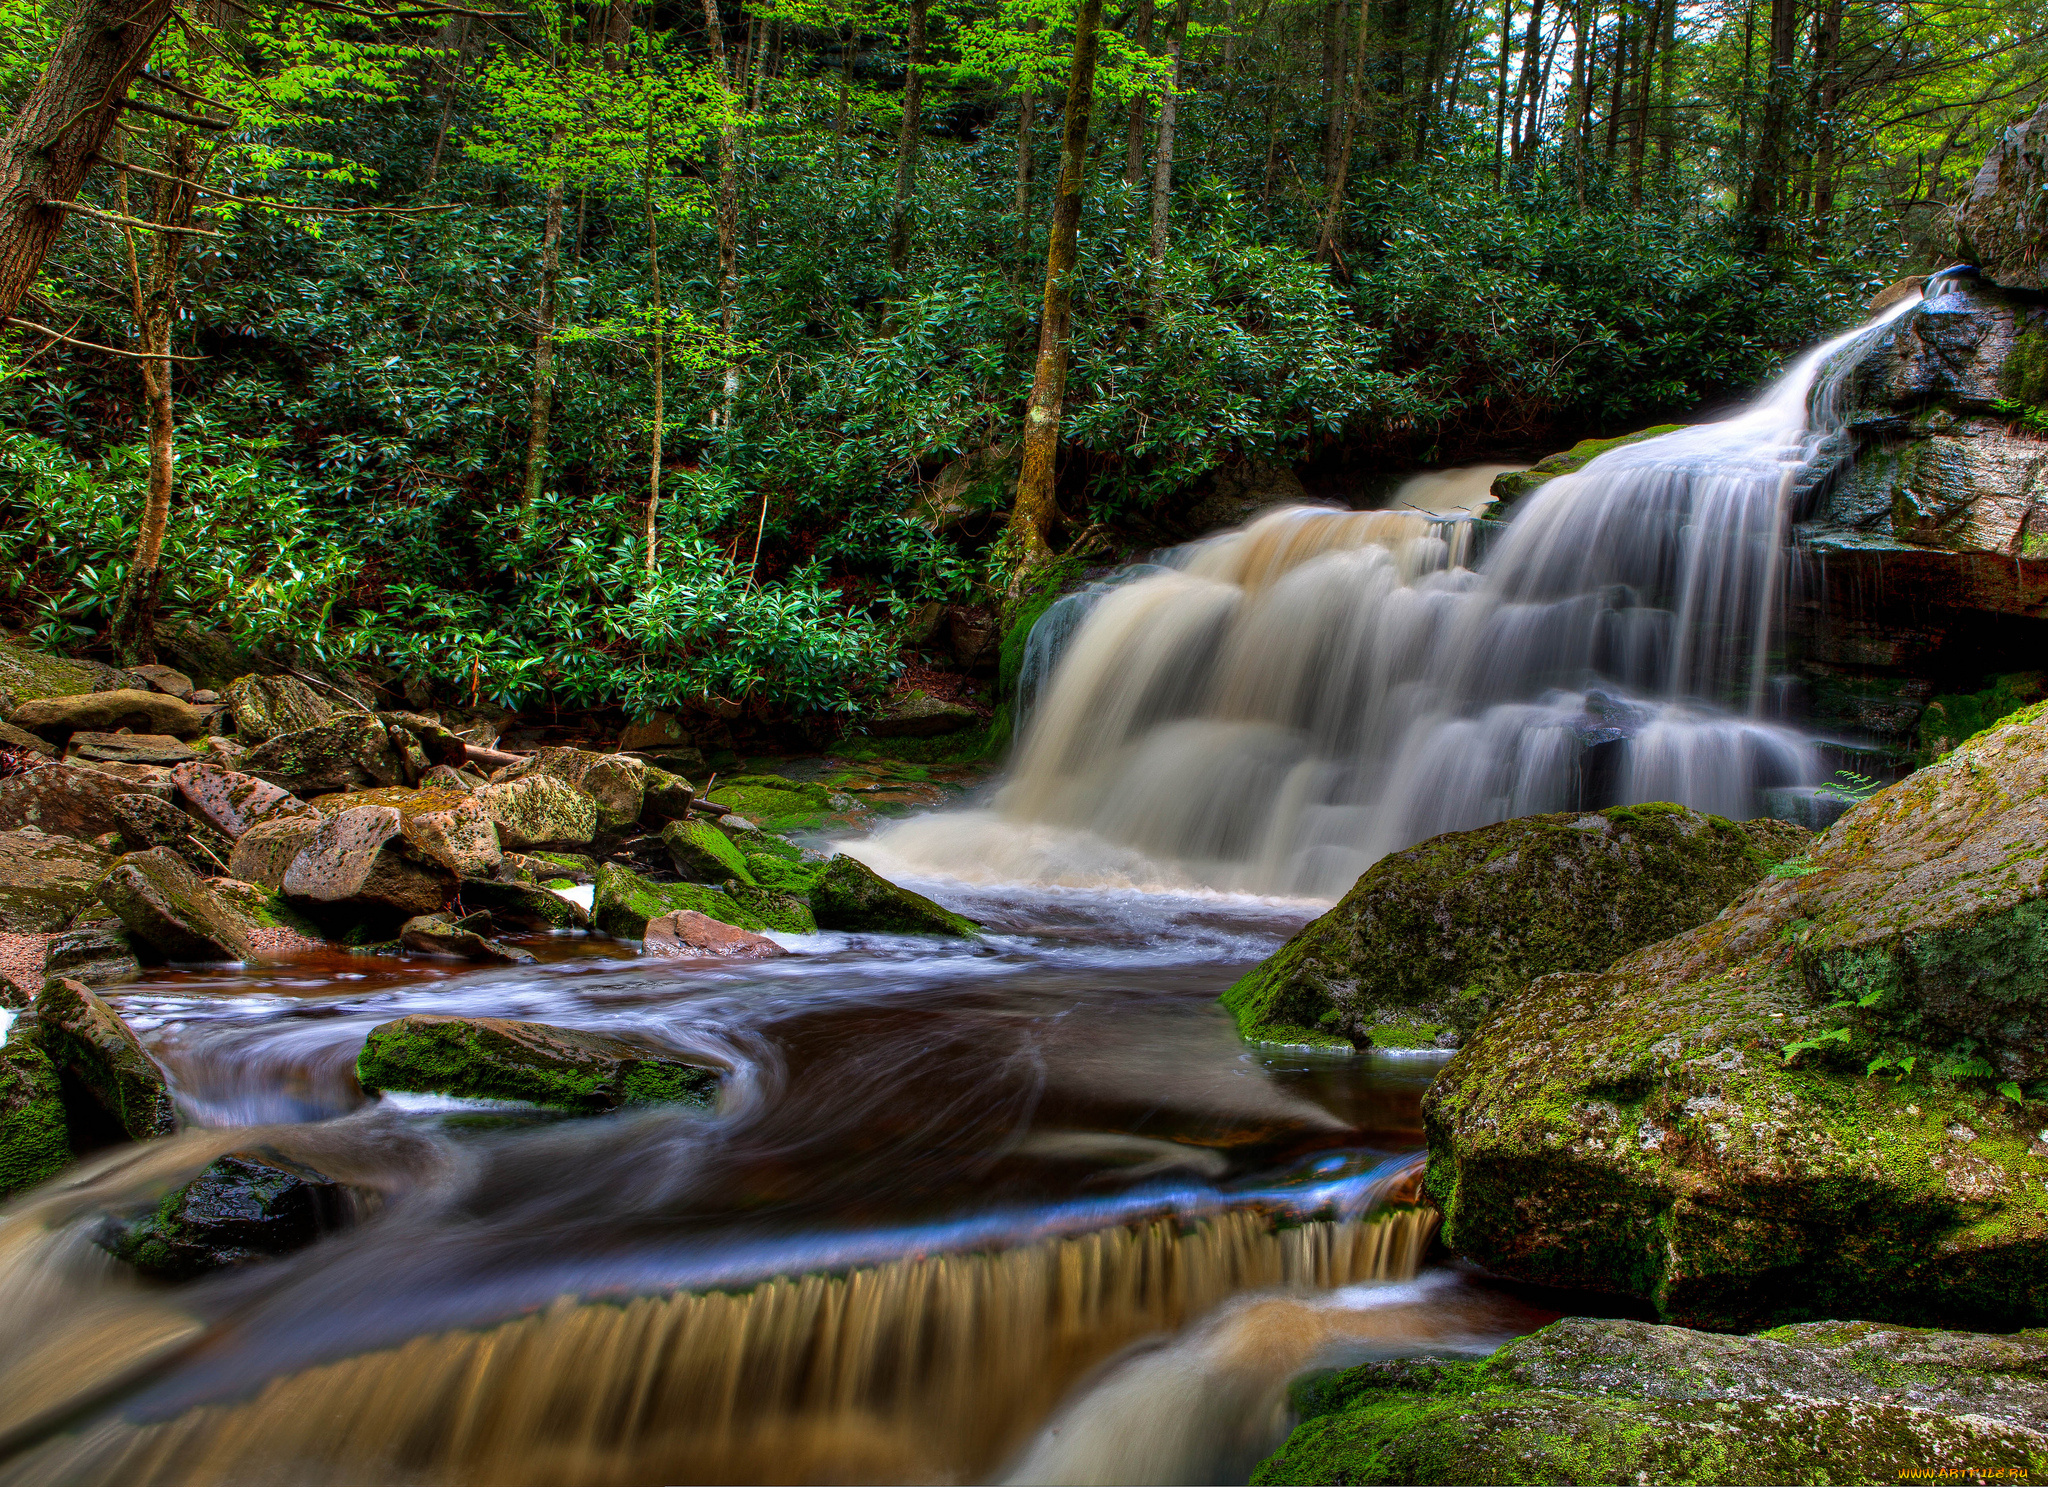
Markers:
point(1275, 708)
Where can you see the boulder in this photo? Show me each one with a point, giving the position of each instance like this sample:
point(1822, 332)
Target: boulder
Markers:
point(664, 797)
point(1510, 488)
point(686, 935)
point(787, 875)
point(35, 1140)
point(496, 1058)
point(537, 809)
point(658, 733)
point(521, 905)
point(615, 782)
point(1588, 1400)
point(128, 748)
point(265, 851)
point(1429, 937)
point(851, 895)
point(1948, 720)
point(21, 741)
point(247, 1206)
point(2004, 222)
point(66, 800)
point(353, 866)
point(148, 822)
point(779, 911)
point(95, 954)
point(447, 777)
point(1811, 1105)
point(444, 826)
point(92, 1047)
point(166, 679)
point(346, 753)
point(29, 675)
point(233, 801)
point(459, 939)
point(265, 707)
point(624, 902)
point(57, 718)
point(922, 717)
point(776, 803)
point(168, 912)
point(45, 881)
point(274, 924)
point(704, 854)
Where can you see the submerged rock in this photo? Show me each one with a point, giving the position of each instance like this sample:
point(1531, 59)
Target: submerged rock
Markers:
point(461, 939)
point(1618, 1401)
point(90, 1045)
point(1429, 938)
point(169, 913)
point(497, 1058)
point(248, 1206)
point(624, 902)
point(851, 895)
point(1811, 1105)
point(704, 854)
point(686, 934)
point(45, 881)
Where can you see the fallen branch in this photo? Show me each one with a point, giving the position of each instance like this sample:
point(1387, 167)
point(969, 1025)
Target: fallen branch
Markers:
point(58, 335)
point(496, 758)
point(120, 221)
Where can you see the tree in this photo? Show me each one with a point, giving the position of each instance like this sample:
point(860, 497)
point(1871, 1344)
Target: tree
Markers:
point(906, 140)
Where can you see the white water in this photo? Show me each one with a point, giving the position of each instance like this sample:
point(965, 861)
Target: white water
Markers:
point(1274, 708)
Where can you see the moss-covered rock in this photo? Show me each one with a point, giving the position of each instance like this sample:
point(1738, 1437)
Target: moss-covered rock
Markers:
point(265, 851)
point(1431, 937)
point(1614, 1401)
point(615, 783)
point(346, 753)
point(780, 874)
point(704, 854)
point(95, 1050)
point(141, 711)
point(357, 867)
point(445, 825)
point(1697, 1126)
point(35, 1142)
point(30, 675)
point(1512, 487)
point(96, 953)
point(853, 896)
point(500, 1059)
point(1951, 718)
point(45, 881)
point(521, 905)
point(625, 901)
point(779, 911)
point(537, 810)
point(459, 939)
point(263, 707)
point(233, 802)
point(147, 822)
point(247, 1206)
point(774, 803)
point(66, 800)
point(169, 913)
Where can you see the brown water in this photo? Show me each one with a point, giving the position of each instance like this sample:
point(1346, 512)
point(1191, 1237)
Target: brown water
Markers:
point(1023, 1209)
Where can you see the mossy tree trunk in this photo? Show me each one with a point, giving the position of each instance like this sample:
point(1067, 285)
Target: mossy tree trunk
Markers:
point(541, 402)
point(907, 139)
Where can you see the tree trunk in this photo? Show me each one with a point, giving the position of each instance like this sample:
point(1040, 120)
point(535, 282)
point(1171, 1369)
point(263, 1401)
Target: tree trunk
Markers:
point(1134, 142)
point(660, 346)
point(1027, 117)
point(1032, 517)
point(1162, 159)
point(728, 213)
point(456, 56)
point(1584, 18)
point(906, 141)
point(1500, 98)
point(1526, 100)
point(1639, 126)
point(541, 403)
point(1767, 181)
point(1333, 82)
point(1330, 243)
point(1827, 66)
point(61, 127)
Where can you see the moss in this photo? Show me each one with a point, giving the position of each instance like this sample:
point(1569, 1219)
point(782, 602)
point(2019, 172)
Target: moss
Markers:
point(2024, 376)
point(31, 675)
point(1040, 593)
point(967, 747)
point(778, 911)
point(492, 1058)
point(774, 803)
point(1952, 718)
point(703, 853)
point(35, 1142)
point(783, 875)
point(1512, 487)
point(624, 901)
point(852, 896)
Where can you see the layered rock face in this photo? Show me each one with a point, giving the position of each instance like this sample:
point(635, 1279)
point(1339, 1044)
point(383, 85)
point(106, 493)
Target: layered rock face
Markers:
point(2004, 223)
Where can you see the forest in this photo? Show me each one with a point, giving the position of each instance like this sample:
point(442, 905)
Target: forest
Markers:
point(653, 357)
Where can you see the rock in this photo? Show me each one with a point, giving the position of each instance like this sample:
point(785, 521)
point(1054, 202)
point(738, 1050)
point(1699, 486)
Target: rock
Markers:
point(1429, 937)
point(65, 800)
point(1809, 807)
point(658, 733)
point(166, 679)
point(57, 718)
point(790, 876)
point(203, 695)
point(1509, 489)
point(550, 867)
point(496, 1058)
point(664, 797)
point(704, 854)
point(35, 1140)
point(1696, 1126)
point(129, 748)
point(686, 934)
point(919, 716)
point(168, 912)
point(784, 912)
point(45, 881)
point(266, 707)
point(538, 809)
point(232, 801)
point(352, 866)
point(1237, 490)
point(776, 803)
point(345, 753)
point(437, 934)
point(264, 909)
point(1588, 1400)
point(265, 851)
point(443, 826)
point(89, 1043)
point(979, 481)
point(624, 903)
point(521, 905)
point(247, 1206)
point(615, 782)
point(851, 895)
point(1948, 720)
point(147, 822)
point(21, 741)
point(30, 675)
point(446, 777)
point(95, 954)
point(1892, 293)
point(2004, 222)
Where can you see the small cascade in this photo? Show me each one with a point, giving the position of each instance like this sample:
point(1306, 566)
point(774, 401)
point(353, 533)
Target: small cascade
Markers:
point(1275, 708)
point(901, 1371)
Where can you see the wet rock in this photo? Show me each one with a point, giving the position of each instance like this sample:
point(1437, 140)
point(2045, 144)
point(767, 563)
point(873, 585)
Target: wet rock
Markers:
point(267, 849)
point(354, 867)
point(66, 800)
point(274, 924)
point(129, 748)
point(248, 1206)
point(704, 854)
point(545, 867)
point(35, 1141)
point(615, 782)
point(167, 679)
point(664, 797)
point(1588, 1400)
point(1804, 1107)
point(922, 717)
point(538, 809)
point(95, 954)
point(1432, 936)
point(168, 912)
point(460, 939)
point(148, 822)
point(779, 911)
point(231, 800)
point(851, 895)
point(685, 934)
point(777, 804)
point(500, 1059)
point(265, 707)
point(521, 905)
point(624, 902)
point(1509, 489)
point(446, 827)
point(57, 718)
point(45, 881)
point(2004, 221)
point(94, 1049)
point(347, 753)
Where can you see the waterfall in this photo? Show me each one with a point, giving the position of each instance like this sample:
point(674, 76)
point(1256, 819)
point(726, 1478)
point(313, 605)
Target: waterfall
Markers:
point(1274, 708)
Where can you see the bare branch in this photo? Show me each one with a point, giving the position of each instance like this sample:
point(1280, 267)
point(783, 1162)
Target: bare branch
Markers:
point(154, 111)
point(276, 206)
point(180, 89)
point(58, 335)
point(121, 221)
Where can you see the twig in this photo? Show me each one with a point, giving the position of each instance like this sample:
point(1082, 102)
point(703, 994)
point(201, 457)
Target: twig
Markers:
point(267, 203)
point(120, 221)
point(158, 111)
point(180, 89)
point(58, 335)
